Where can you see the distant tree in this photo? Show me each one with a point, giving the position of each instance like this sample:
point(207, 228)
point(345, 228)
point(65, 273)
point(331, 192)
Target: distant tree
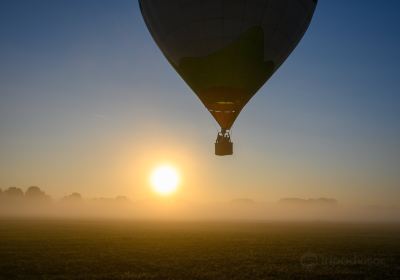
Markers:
point(35, 193)
point(14, 192)
point(74, 197)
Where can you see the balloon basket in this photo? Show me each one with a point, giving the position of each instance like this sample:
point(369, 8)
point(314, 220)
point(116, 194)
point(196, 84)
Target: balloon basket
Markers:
point(223, 145)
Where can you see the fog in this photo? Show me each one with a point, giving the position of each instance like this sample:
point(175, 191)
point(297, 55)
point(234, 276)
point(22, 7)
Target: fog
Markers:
point(35, 203)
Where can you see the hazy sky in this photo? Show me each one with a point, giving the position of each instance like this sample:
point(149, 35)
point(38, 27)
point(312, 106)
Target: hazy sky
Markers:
point(89, 104)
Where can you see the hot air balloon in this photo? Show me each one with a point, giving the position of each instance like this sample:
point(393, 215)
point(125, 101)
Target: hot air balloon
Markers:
point(226, 50)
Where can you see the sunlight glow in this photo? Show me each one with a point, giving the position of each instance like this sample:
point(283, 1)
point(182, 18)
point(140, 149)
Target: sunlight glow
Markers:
point(165, 180)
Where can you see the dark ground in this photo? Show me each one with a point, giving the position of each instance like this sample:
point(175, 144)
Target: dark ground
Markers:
point(68, 249)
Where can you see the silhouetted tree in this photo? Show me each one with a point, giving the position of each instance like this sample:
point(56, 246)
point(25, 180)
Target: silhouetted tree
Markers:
point(34, 192)
point(74, 197)
point(14, 192)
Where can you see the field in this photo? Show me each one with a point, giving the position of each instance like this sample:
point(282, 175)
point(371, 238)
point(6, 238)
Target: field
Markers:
point(71, 249)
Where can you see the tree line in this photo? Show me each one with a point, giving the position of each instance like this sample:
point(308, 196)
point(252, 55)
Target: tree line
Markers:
point(32, 193)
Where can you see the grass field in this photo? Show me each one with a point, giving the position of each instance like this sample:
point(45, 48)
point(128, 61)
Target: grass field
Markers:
point(40, 249)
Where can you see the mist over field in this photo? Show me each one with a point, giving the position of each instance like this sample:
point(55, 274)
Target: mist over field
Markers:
point(35, 203)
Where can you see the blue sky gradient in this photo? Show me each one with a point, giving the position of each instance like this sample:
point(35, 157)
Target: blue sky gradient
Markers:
point(88, 103)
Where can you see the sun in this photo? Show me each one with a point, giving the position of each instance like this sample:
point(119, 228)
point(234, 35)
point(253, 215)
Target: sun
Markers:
point(165, 180)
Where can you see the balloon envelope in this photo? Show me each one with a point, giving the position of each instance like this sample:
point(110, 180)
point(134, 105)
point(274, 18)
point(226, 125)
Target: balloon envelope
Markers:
point(226, 50)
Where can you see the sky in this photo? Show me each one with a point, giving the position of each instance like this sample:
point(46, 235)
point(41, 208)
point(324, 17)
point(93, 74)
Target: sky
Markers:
point(88, 104)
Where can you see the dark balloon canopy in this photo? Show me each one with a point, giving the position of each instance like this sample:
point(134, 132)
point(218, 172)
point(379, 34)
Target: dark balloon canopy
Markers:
point(226, 50)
